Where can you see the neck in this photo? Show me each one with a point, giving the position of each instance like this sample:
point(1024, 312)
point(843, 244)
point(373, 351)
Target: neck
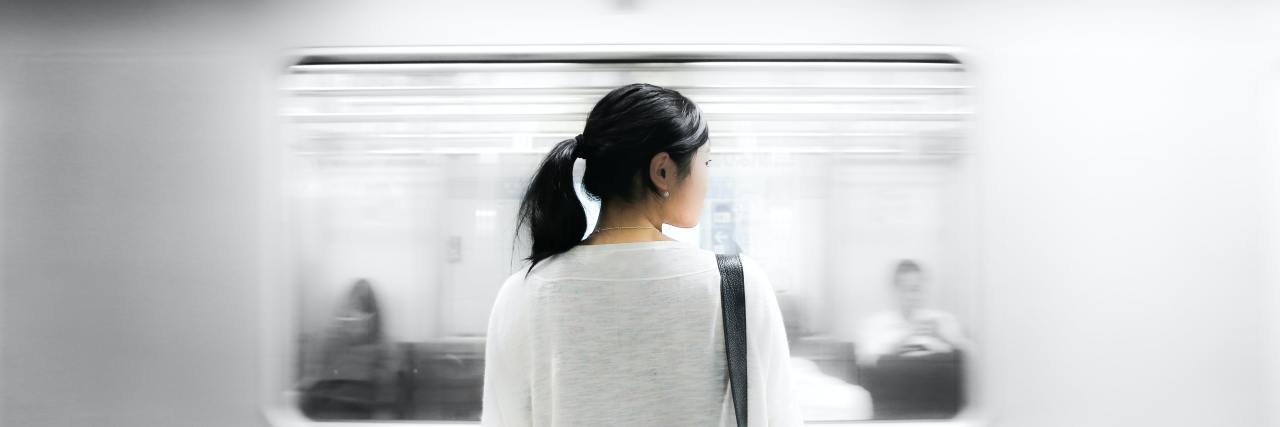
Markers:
point(625, 215)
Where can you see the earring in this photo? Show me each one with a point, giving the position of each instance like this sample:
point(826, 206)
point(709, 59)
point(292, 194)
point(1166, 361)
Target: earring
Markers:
point(666, 194)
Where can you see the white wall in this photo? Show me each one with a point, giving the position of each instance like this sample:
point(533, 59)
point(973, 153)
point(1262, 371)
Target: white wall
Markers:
point(129, 219)
point(1271, 251)
point(1122, 148)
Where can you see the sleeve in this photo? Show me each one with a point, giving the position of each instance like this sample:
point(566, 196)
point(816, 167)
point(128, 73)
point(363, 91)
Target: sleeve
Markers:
point(506, 400)
point(780, 392)
point(949, 328)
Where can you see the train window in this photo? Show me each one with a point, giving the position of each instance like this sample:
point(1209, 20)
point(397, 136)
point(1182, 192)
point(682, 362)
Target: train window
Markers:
point(847, 175)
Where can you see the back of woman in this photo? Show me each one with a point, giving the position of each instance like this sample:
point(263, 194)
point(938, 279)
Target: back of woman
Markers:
point(625, 328)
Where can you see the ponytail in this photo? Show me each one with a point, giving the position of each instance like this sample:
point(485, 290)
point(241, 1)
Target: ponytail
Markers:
point(551, 208)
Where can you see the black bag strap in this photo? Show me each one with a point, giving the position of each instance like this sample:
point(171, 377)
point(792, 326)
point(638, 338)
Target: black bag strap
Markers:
point(734, 311)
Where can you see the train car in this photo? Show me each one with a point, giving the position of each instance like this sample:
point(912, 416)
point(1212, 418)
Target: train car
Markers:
point(832, 164)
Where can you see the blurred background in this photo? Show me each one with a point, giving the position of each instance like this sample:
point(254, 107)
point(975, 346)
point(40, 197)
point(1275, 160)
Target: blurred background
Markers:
point(198, 230)
point(842, 176)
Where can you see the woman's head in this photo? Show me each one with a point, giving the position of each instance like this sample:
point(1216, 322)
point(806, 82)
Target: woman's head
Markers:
point(640, 142)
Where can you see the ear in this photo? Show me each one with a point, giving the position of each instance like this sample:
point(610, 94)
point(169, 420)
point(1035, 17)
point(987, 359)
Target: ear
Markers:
point(661, 171)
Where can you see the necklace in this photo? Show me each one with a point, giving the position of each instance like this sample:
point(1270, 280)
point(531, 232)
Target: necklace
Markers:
point(619, 228)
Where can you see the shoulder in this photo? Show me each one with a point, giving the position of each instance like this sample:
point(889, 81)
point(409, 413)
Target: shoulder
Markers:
point(513, 290)
point(752, 272)
point(508, 317)
point(762, 301)
point(756, 280)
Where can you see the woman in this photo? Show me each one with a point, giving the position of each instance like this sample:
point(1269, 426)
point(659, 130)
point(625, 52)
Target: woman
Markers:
point(354, 377)
point(624, 328)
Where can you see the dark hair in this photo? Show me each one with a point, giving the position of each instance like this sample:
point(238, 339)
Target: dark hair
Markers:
point(361, 299)
point(905, 266)
point(625, 129)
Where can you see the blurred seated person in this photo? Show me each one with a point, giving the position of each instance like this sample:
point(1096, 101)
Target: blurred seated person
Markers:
point(354, 378)
point(909, 329)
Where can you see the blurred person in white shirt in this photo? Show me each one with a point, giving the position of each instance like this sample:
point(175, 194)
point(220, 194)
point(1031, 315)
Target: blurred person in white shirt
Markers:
point(909, 329)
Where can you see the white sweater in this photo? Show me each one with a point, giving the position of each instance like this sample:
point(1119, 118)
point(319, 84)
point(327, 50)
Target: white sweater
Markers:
point(630, 334)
